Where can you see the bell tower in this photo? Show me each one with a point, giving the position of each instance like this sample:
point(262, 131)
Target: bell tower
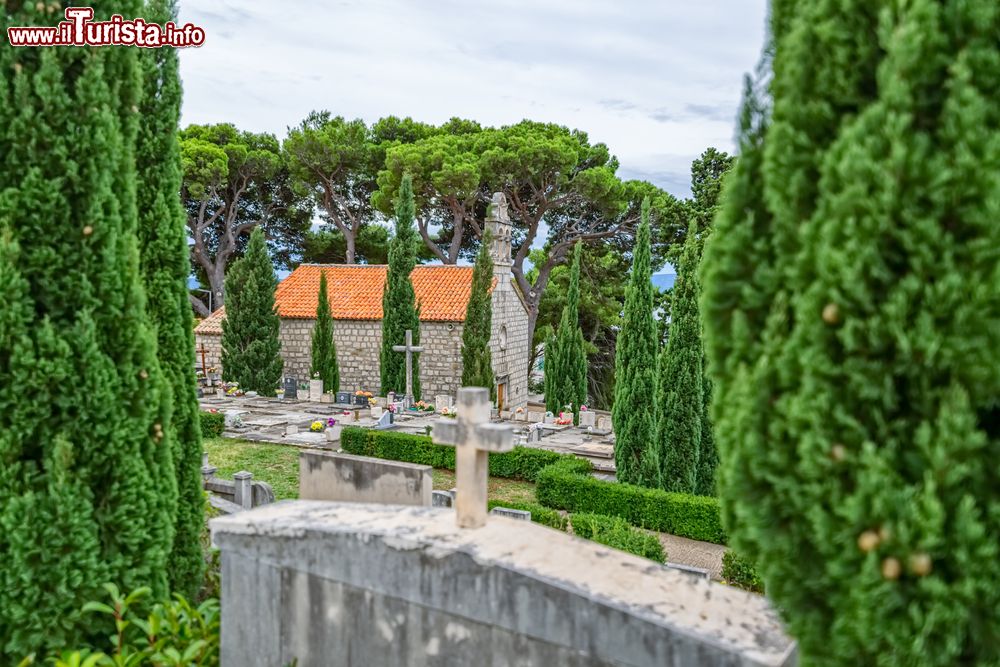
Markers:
point(499, 226)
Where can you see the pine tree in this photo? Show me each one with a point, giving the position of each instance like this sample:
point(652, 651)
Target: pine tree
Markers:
point(324, 350)
point(566, 371)
point(250, 332)
point(680, 398)
point(635, 364)
point(87, 486)
point(477, 362)
point(399, 302)
point(852, 311)
point(163, 253)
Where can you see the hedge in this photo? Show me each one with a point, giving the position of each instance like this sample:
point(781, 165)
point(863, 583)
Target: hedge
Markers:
point(740, 572)
point(539, 514)
point(617, 533)
point(521, 463)
point(212, 424)
point(561, 486)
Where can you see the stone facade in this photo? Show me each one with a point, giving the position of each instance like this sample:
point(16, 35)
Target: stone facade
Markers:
point(212, 345)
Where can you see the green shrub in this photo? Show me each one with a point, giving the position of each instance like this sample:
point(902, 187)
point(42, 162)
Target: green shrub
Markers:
point(520, 463)
point(616, 533)
point(212, 424)
point(172, 633)
point(562, 486)
point(741, 573)
point(539, 514)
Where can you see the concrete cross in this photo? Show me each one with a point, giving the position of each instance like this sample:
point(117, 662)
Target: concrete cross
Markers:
point(409, 348)
point(473, 437)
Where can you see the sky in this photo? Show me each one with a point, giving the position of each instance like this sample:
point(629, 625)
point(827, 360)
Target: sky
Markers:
point(658, 81)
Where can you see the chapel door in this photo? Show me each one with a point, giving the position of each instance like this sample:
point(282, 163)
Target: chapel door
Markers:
point(501, 395)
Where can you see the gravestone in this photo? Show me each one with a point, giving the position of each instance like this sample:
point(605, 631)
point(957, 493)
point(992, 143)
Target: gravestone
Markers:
point(536, 417)
point(377, 412)
point(409, 348)
point(344, 398)
point(291, 429)
point(550, 418)
point(315, 390)
point(604, 423)
point(441, 499)
point(520, 515)
point(520, 415)
point(473, 437)
point(442, 401)
point(534, 435)
point(360, 400)
point(291, 387)
point(588, 418)
point(385, 420)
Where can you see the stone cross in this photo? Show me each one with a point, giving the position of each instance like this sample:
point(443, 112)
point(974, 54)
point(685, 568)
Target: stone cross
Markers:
point(473, 437)
point(409, 348)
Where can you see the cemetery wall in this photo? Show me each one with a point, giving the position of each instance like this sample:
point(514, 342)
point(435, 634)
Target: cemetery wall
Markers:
point(353, 584)
point(325, 475)
point(359, 343)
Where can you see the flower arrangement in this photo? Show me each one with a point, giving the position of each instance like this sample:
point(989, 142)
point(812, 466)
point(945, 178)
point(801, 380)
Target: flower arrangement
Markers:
point(448, 412)
point(331, 422)
point(317, 426)
point(372, 401)
point(316, 375)
point(366, 394)
point(563, 419)
point(424, 406)
point(519, 411)
point(583, 408)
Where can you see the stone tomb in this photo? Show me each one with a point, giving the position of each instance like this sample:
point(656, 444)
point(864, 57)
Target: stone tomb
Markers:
point(341, 584)
point(325, 475)
point(519, 515)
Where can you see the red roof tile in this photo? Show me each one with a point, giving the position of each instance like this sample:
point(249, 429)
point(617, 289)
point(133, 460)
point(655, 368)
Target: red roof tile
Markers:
point(356, 293)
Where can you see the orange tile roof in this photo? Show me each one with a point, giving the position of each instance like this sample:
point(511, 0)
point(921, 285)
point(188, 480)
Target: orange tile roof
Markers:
point(355, 293)
point(213, 323)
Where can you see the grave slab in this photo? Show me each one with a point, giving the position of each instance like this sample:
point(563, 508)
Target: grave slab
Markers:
point(326, 475)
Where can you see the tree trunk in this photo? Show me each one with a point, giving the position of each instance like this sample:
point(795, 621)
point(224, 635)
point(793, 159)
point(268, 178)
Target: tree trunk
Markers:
point(349, 235)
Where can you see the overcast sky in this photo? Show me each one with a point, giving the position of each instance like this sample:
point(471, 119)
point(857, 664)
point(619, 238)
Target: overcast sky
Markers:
point(658, 81)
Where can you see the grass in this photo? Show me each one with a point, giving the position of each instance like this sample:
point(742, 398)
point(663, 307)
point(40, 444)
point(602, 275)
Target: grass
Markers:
point(278, 465)
point(498, 488)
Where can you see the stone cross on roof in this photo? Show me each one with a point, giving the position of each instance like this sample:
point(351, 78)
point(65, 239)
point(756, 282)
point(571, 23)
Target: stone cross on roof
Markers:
point(473, 437)
point(409, 348)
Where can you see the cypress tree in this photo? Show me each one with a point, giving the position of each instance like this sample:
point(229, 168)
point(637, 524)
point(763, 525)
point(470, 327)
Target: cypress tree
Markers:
point(566, 379)
point(852, 311)
point(477, 361)
point(165, 269)
point(88, 487)
point(324, 350)
point(250, 331)
point(680, 399)
point(399, 302)
point(635, 363)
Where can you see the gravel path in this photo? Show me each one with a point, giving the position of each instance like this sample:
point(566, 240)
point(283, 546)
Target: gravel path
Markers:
point(705, 555)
